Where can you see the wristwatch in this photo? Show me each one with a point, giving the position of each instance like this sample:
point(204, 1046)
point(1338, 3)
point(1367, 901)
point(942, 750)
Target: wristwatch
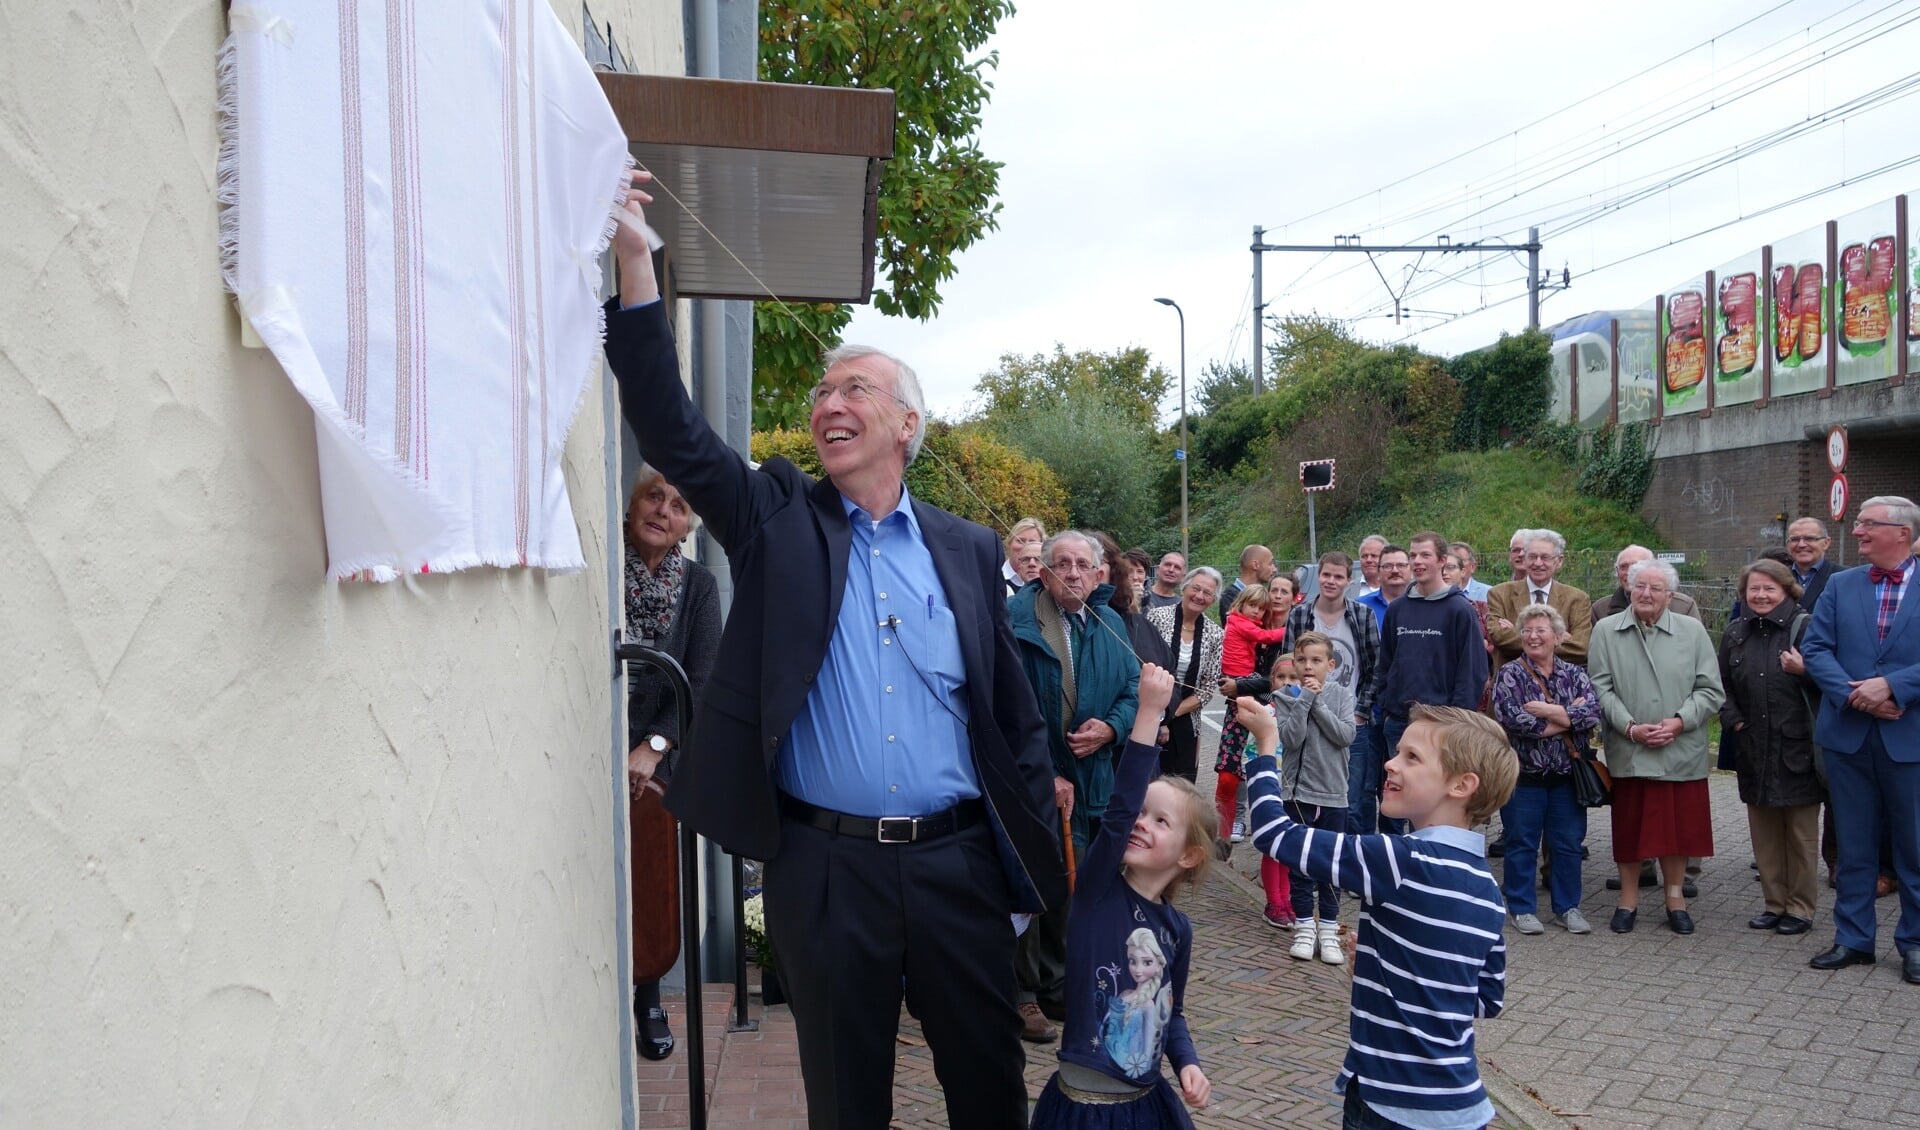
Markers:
point(658, 744)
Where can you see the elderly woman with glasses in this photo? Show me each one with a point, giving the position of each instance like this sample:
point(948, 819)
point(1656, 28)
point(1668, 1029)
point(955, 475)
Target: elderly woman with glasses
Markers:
point(1550, 711)
point(1659, 682)
point(1770, 706)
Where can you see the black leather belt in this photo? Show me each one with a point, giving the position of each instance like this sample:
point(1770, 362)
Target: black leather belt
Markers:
point(887, 829)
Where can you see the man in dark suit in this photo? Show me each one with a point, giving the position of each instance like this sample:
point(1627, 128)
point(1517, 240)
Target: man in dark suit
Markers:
point(867, 730)
point(1863, 649)
point(1807, 543)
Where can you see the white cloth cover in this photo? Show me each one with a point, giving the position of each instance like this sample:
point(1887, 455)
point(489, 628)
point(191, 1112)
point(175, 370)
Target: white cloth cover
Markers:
point(415, 197)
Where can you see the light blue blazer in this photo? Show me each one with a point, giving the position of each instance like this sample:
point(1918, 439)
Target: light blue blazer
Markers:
point(1843, 644)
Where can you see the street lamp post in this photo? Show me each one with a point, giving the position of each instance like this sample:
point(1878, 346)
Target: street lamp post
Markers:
point(1183, 424)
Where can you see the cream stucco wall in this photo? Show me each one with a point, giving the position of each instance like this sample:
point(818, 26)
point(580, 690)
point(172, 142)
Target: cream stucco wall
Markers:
point(272, 852)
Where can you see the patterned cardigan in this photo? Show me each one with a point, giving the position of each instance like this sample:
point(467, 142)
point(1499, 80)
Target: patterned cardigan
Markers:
point(1208, 636)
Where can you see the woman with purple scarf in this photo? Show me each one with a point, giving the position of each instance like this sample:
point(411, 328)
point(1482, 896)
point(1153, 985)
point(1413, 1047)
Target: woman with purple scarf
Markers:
point(1550, 710)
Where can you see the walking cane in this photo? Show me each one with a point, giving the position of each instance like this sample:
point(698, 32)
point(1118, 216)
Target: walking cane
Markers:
point(1066, 841)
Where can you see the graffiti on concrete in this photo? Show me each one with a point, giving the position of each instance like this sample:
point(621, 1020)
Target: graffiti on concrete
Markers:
point(1709, 495)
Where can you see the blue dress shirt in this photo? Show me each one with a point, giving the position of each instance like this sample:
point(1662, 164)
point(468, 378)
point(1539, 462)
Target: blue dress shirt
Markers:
point(883, 731)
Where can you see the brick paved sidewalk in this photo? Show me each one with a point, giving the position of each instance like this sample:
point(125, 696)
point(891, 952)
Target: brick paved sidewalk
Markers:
point(1727, 1028)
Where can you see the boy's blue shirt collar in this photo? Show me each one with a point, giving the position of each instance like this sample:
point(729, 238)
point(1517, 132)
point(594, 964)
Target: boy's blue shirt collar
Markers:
point(1465, 839)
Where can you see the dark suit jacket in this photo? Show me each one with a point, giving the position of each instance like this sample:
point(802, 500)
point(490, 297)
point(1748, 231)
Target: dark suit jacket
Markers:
point(1822, 573)
point(1843, 644)
point(787, 539)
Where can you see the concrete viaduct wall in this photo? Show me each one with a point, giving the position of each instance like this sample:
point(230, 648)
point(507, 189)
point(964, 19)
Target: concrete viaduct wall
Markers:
point(1725, 484)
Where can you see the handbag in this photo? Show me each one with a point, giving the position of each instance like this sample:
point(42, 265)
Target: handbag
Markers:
point(1592, 784)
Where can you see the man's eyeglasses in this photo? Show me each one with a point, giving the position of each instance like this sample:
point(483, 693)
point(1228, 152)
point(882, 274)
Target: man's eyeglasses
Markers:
point(1871, 524)
point(853, 391)
point(1806, 539)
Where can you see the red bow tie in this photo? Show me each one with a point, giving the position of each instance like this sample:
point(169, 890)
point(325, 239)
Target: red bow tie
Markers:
point(1876, 574)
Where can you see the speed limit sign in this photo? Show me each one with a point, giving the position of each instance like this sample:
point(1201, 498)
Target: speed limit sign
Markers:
point(1837, 498)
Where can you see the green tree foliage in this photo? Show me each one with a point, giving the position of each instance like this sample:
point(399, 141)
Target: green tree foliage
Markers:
point(961, 470)
point(1125, 380)
point(1504, 390)
point(1220, 385)
point(1103, 455)
point(936, 194)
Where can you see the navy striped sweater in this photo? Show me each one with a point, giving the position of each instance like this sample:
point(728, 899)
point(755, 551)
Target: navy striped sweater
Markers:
point(1431, 956)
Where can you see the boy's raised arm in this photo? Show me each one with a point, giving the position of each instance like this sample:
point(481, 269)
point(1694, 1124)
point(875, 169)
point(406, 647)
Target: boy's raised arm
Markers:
point(1360, 864)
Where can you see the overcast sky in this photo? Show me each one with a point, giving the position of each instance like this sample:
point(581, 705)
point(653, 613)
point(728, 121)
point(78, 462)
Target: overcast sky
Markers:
point(1143, 142)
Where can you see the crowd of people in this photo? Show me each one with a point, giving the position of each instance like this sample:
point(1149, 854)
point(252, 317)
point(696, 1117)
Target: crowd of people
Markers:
point(928, 732)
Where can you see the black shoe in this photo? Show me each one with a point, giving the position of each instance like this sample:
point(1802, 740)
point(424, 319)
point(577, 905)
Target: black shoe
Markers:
point(1839, 957)
point(1910, 967)
point(1622, 920)
point(1679, 921)
point(1497, 849)
point(1754, 866)
point(1646, 881)
point(1687, 888)
point(1584, 853)
point(1791, 924)
point(653, 1039)
point(1766, 921)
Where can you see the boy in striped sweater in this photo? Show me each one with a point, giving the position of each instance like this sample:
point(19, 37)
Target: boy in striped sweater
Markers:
point(1430, 958)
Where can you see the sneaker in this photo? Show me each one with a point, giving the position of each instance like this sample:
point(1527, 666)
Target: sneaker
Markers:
point(1034, 1027)
point(1573, 922)
point(1239, 831)
point(1222, 850)
point(1278, 917)
point(1528, 924)
point(1331, 951)
point(1303, 940)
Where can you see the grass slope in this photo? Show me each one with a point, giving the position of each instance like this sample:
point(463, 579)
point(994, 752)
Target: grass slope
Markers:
point(1478, 497)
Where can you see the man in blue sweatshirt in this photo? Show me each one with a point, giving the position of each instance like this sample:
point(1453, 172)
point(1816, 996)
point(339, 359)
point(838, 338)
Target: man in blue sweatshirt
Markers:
point(1431, 647)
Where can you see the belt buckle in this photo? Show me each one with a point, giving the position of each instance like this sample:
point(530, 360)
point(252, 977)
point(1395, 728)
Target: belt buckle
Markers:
point(906, 829)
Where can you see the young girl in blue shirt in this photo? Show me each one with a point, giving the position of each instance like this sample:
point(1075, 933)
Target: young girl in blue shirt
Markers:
point(1128, 948)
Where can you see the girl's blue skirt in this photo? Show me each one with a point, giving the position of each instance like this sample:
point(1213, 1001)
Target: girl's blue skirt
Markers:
point(1159, 1108)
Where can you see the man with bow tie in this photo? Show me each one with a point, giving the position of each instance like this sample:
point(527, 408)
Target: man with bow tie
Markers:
point(1863, 649)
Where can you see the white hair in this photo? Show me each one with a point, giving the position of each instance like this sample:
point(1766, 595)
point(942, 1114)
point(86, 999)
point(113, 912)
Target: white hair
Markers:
point(1092, 543)
point(1199, 571)
point(1661, 567)
point(906, 388)
point(1899, 509)
point(1552, 537)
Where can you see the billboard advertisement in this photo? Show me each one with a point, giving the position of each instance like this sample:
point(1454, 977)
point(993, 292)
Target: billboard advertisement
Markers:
point(1797, 312)
point(1683, 347)
point(1866, 303)
point(1737, 337)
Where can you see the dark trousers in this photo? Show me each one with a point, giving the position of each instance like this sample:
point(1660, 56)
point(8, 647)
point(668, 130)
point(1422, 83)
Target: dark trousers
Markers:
point(858, 922)
point(1363, 780)
point(1874, 795)
point(1390, 731)
point(1181, 755)
point(1040, 956)
point(1303, 889)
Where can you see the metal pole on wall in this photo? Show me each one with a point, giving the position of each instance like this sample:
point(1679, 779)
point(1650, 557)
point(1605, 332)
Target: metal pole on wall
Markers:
point(1313, 536)
point(1183, 424)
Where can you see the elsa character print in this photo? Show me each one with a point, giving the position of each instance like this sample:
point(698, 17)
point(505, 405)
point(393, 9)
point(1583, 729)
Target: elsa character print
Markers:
point(1137, 1017)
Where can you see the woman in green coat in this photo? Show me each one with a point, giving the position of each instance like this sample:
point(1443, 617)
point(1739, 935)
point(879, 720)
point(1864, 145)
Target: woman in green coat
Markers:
point(1659, 682)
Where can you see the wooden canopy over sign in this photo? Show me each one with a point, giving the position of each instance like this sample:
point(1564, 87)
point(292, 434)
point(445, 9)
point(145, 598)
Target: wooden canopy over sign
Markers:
point(760, 187)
